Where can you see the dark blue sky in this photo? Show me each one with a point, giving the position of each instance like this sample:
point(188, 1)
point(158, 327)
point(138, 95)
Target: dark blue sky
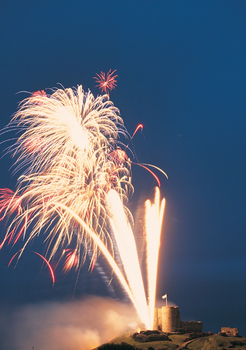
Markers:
point(181, 72)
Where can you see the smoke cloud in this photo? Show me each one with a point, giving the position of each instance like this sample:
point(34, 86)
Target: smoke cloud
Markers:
point(76, 325)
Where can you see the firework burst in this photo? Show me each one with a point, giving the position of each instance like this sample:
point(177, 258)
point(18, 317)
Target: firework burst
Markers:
point(74, 185)
point(64, 155)
point(106, 82)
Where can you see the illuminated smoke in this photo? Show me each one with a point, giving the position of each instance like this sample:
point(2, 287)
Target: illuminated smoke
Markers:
point(78, 325)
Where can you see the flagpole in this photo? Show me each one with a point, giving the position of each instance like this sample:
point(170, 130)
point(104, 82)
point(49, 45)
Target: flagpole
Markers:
point(165, 297)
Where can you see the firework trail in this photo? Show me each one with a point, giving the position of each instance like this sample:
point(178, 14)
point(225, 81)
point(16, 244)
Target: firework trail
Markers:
point(73, 173)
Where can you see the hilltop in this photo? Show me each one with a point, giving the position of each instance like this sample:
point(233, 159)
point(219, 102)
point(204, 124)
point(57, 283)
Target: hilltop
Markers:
point(155, 340)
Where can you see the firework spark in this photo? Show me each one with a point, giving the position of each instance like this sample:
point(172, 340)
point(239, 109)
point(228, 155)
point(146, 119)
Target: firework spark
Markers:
point(72, 167)
point(75, 183)
point(71, 261)
point(49, 266)
point(106, 82)
point(9, 203)
point(52, 274)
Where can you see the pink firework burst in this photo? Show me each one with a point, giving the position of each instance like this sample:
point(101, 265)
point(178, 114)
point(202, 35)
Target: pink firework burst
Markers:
point(106, 82)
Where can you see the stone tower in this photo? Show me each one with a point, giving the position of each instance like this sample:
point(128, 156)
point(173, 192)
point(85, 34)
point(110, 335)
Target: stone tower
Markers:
point(167, 318)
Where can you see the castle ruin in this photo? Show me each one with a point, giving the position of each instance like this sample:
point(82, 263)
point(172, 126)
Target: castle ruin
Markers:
point(167, 319)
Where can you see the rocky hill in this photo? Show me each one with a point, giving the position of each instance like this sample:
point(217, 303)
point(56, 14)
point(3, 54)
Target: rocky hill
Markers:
point(156, 340)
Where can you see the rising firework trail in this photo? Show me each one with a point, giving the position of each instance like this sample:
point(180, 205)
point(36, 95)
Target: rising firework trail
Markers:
point(153, 221)
point(73, 187)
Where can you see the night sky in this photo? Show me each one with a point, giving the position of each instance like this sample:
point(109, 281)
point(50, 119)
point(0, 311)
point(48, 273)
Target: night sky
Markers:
point(181, 73)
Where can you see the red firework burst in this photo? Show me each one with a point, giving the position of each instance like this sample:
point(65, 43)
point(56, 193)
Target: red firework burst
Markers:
point(106, 82)
point(39, 93)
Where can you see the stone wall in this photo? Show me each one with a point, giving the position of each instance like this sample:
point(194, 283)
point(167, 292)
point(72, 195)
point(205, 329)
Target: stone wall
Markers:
point(191, 326)
point(230, 332)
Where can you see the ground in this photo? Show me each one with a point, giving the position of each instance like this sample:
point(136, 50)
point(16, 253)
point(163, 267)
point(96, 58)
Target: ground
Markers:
point(203, 341)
